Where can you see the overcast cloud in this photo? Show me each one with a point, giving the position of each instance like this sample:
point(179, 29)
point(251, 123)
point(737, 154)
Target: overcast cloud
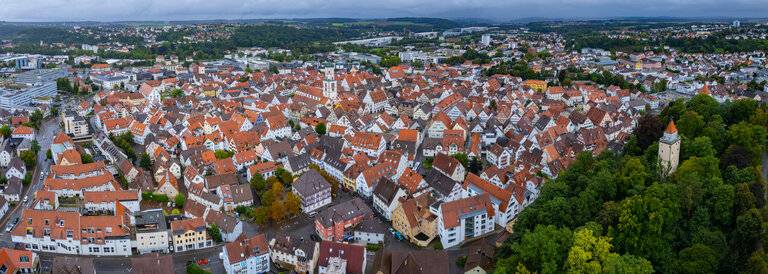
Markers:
point(122, 10)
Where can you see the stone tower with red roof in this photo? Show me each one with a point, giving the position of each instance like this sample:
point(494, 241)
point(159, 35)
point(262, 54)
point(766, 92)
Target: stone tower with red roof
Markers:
point(669, 149)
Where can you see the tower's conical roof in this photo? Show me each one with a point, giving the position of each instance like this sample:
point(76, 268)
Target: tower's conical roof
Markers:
point(671, 128)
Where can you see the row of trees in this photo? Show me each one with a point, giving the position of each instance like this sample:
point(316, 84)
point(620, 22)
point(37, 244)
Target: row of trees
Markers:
point(616, 213)
point(125, 142)
point(517, 69)
point(469, 55)
point(567, 76)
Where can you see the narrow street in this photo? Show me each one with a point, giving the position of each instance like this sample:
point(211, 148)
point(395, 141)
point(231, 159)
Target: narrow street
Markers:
point(44, 137)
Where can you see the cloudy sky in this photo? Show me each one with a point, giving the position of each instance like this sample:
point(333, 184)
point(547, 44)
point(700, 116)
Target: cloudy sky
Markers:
point(121, 10)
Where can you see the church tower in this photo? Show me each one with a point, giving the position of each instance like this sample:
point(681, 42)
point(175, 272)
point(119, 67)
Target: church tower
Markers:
point(669, 150)
point(329, 83)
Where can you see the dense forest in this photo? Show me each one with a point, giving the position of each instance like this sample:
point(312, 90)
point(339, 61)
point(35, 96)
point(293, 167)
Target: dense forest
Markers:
point(302, 37)
point(615, 213)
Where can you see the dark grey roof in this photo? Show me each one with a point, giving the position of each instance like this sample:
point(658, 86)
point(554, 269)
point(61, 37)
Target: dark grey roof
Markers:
point(214, 181)
point(289, 244)
point(299, 162)
point(13, 187)
point(541, 124)
point(225, 222)
point(371, 225)
point(310, 182)
point(333, 158)
point(439, 182)
point(278, 149)
point(331, 143)
point(18, 164)
point(385, 190)
point(343, 211)
point(150, 220)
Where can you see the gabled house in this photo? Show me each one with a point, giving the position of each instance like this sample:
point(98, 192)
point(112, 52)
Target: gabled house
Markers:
point(313, 191)
point(449, 166)
point(246, 255)
point(386, 197)
point(16, 169)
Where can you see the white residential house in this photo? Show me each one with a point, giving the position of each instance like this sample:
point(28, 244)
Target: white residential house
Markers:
point(246, 255)
point(152, 234)
point(5, 157)
point(313, 191)
point(464, 219)
point(386, 197)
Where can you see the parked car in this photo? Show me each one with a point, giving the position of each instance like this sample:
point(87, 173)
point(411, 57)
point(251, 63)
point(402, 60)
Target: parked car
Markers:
point(399, 236)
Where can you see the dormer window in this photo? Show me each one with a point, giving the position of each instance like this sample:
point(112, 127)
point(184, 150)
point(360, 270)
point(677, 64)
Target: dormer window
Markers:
point(61, 223)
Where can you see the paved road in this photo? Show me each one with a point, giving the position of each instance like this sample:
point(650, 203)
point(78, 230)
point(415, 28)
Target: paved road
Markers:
point(44, 138)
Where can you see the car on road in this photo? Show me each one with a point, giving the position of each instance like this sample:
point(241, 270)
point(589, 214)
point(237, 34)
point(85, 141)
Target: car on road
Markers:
point(8, 228)
point(26, 198)
point(202, 262)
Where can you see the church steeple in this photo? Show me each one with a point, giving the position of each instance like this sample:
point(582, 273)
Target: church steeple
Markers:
point(329, 82)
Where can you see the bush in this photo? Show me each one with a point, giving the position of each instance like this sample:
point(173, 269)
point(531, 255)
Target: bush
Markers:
point(244, 211)
point(29, 158)
point(86, 158)
point(179, 200)
point(193, 268)
point(215, 233)
point(373, 247)
point(461, 261)
point(223, 154)
point(27, 178)
point(149, 196)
